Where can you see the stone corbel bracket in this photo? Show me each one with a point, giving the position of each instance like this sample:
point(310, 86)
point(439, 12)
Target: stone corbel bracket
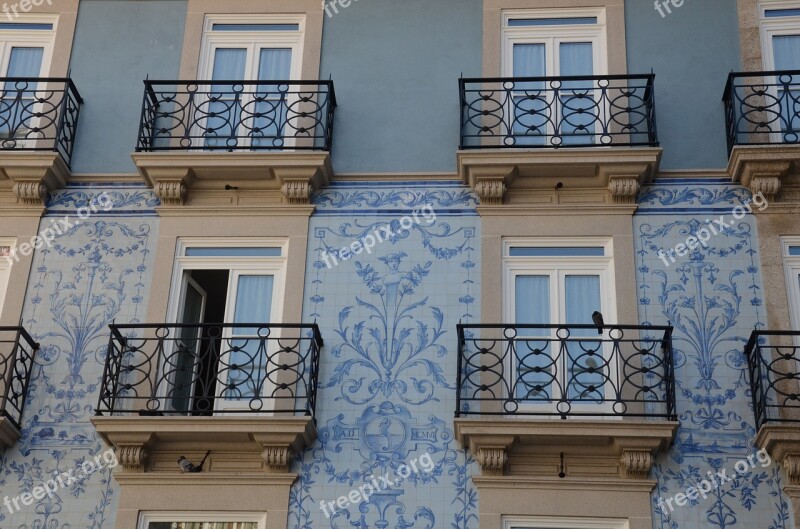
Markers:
point(491, 452)
point(33, 176)
point(767, 169)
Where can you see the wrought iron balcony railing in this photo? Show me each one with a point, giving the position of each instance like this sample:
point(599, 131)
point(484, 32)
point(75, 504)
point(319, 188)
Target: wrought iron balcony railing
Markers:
point(211, 369)
point(565, 371)
point(237, 116)
point(39, 114)
point(762, 108)
point(17, 354)
point(774, 368)
point(547, 112)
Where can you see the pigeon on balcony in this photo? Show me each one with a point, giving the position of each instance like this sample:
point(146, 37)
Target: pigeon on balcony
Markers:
point(597, 318)
point(187, 466)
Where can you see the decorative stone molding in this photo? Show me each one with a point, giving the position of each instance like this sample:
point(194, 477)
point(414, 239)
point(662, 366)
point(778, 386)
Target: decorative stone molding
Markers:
point(558, 178)
point(132, 457)
point(791, 464)
point(773, 170)
point(492, 460)
point(32, 175)
point(277, 458)
point(636, 464)
point(211, 180)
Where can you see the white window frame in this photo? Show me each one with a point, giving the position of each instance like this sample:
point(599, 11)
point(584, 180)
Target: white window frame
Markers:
point(5, 269)
point(252, 41)
point(551, 522)
point(146, 518)
point(551, 36)
point(275, 266)
point(791, 266)
point(585, 265)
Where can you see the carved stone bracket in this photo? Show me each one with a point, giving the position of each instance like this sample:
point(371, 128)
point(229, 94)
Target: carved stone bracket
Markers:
point(767, 169)
point(492, 459)
point(624, 188)
point(33, 175)
point(636, 463)
point(791, 464)
point(132, 457)
point(768, 184)
point(297, 191)
point(277, 457)
point(491, 190)
point(30, 192)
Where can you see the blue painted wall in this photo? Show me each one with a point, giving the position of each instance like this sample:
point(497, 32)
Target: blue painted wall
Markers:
point(395, 66)
point(116, 45)
point(691, 51)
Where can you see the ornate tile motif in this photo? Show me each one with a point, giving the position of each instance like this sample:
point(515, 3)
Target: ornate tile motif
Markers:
point(387, 380)
point(712, 296)
point(95, 272)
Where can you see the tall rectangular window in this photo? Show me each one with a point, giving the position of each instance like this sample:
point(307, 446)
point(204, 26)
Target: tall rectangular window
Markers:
point(780, 43)
point(251, 49)
point(791, 265)
point(558, 283)
point(6, 247)
point(554, 43)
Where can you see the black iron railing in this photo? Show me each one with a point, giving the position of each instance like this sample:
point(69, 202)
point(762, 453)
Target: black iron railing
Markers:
point(565, 371)
point(547, 112)
point(17, 354)
point(237, 115)
point(208, 369)
point(762, 108)
point(774, 368)
point(39, 114)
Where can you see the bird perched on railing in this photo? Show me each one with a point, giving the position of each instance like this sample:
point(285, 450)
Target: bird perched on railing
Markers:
point(187, 466)
point(597, 318)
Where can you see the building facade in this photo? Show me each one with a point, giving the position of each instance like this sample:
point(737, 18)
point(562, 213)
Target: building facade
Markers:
point(479, 264)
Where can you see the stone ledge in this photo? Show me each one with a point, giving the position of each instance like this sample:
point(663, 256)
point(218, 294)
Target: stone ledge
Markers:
point(630, 446)
point(151, 444)
point(30, 176)
point(9, 434)
point(782, 443)
point(773, 170)
point(559, 178)
point(198, 178)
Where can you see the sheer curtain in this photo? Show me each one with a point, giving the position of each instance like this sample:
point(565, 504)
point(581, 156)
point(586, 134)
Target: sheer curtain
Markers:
point(532, 306)
point(223, 112)
point(530, 61)
point(787, 57)
point(576, 59)
point(582, 298)
point(253, 305)
point(17, 109)
point(275, 64)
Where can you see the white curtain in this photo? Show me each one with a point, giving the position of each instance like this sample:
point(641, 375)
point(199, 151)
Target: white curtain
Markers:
point(17, 114)
point(275, 64)
point(229, 65)
point(575, 59)
point(253, 305)
point(787, 57)
point(532, 306)
point(529, 61)
point(582, 295)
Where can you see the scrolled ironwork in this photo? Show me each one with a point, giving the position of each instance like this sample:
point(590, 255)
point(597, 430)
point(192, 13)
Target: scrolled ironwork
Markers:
point(774, 367)
point(554, 112)
point(17, 355)
point(237, 115)
point(206, 369)
point(565, 370)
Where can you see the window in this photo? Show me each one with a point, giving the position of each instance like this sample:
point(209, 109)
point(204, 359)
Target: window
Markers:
point(250, 49)
point(201, 521)
point(791, 263)
point(539, 522)
point(25, 52)
point(6, 247)
point(224, 281)
point(559, 282)
point(780, 41)
point(548, 43)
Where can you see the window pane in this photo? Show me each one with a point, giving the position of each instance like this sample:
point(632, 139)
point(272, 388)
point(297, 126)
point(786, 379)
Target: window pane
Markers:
point(271, 105)
point(771, 13)
point(200, 251)
point(248, 357)
point(25, 62)
point(551, 21)
point(17, 108)
point(224, 110)
point(787, 52)
point(531, 111)
point(578, 112)
point(545, 251)
point(794, 250)
point(534, 361)
point(587, 370)
point(34, 27)
point(255, 27)
point(202, 525)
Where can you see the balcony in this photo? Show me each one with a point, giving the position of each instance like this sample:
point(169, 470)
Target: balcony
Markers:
point(38, 123)
point(762, 123)
point(255, 136)
point(534, 135)
point(531, 397)
point(17, 353)
point(246, 392)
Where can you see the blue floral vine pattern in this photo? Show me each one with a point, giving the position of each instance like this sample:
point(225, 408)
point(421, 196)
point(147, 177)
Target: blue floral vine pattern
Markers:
point(712, 297)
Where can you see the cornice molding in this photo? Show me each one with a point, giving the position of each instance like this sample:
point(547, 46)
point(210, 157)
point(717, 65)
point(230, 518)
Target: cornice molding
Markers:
point(773, 170)
point(30, 176)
